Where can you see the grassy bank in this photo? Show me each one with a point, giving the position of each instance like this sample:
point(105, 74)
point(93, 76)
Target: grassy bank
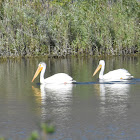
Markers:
point(30, 28)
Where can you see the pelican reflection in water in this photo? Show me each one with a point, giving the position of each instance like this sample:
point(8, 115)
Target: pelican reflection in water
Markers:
point(114, 98)
point(59, 78)
point(54, 99)
point(119, 74)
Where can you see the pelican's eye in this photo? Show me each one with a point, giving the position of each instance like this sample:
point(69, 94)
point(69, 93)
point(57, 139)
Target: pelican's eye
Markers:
point(39, 65)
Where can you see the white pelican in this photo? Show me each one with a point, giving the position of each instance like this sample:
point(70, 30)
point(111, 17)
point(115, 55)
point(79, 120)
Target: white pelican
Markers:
point(60, 78)
point(118, 74)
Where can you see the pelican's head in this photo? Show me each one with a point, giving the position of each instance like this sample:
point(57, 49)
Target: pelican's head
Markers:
point(101, 64)
point(41, 66)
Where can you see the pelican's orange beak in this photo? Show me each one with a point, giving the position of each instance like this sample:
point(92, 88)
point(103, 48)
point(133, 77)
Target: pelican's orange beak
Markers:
point(97, 69)
point(37, 72)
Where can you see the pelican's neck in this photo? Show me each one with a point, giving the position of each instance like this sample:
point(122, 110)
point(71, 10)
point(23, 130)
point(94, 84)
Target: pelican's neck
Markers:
point(42, 75)
point(101, 74)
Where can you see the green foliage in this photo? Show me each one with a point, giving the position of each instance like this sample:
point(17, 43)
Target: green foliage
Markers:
point(47, 128)
point(2, 138)
point(34, 136)
point(62, 27)
point(60, 2)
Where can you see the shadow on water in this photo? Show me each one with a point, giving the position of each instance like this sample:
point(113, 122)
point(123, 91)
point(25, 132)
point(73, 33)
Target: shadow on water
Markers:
point(133, 81)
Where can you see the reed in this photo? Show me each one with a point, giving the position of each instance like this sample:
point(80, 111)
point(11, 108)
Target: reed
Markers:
point(32, 28)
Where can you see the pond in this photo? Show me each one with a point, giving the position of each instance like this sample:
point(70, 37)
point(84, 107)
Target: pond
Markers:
point(87, 110)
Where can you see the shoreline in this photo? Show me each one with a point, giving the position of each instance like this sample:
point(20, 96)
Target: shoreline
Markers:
point(67, 56)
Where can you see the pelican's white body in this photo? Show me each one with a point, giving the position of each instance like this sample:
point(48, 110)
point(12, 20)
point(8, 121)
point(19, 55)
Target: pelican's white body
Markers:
point(60, 78)
point(118, 74)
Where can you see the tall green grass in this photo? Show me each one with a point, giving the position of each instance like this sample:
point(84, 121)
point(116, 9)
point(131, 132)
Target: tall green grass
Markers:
point(69, 27)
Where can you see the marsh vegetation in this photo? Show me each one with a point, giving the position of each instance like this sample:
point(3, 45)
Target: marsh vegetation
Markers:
point(59, 28)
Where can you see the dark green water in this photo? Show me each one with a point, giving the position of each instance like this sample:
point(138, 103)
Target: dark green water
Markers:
point(88, 110)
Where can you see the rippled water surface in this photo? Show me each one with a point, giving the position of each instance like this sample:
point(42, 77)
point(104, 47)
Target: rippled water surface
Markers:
point(87, 110)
